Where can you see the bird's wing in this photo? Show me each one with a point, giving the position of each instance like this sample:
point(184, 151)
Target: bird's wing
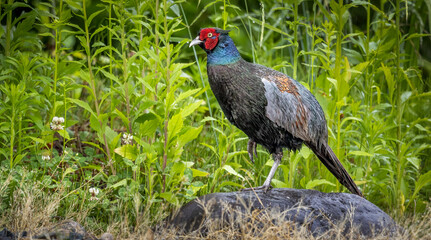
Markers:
point(285, 106)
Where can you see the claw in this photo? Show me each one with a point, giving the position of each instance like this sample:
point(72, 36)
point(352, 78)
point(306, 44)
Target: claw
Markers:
point(251, 147)
point(266, 188)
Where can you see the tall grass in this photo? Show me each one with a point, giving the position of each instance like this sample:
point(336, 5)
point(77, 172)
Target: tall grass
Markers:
point(142, 125)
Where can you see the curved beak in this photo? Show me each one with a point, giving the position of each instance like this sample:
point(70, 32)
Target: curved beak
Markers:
point(196, 41)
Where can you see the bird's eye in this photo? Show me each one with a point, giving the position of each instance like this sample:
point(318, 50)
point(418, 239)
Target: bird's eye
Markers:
point(210, 35)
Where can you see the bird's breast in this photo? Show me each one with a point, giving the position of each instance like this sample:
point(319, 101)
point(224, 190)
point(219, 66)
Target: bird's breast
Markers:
point(239, 95)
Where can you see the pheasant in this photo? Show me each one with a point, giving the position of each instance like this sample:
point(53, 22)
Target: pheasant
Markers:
point(271, 108)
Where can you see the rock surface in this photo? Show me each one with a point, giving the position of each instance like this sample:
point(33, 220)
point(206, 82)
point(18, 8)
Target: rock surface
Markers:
point(67, 229)
point(318, 212)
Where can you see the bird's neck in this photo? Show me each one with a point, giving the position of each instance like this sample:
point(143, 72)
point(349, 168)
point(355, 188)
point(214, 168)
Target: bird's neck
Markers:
point(224, 53)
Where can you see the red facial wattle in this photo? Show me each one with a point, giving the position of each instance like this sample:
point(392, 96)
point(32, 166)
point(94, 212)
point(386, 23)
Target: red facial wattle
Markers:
point(210, 36)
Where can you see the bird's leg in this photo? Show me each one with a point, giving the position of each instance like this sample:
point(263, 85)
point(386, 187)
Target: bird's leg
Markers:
point(277, 160)
point(277, 156)
point(251, 147)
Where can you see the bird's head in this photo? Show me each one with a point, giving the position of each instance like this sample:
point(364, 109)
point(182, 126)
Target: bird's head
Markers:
point(218, 45)
point(208, 38)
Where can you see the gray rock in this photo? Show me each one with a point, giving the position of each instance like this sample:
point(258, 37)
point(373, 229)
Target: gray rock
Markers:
point(318, 212)
point(106, 236)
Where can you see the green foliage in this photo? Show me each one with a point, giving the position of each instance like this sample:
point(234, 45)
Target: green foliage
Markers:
point(142, 126)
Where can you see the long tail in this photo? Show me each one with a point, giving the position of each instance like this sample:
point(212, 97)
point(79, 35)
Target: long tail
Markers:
point(330, 160)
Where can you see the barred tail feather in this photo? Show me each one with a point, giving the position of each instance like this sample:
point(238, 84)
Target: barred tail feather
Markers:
point(331, 162)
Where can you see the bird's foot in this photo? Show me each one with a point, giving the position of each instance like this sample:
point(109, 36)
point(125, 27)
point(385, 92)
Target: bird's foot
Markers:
point(263, 187)
point(251, 148)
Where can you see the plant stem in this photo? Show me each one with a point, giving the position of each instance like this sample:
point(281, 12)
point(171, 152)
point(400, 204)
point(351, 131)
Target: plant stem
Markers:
point(400, 171)
point(56, 60)
point(12, 131)
point(295, 39)
point(125, 70)
point(168, 63)
point(156, 30)
point(250, 33)
point(368, 82)
point(8, 29)
point(110, 62)
point(337, 74)
point(224, 13)
point(93, 88)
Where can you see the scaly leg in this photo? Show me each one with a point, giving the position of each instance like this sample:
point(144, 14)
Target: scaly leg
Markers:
point(251, 147)
point(267, 184)
point(277, 160)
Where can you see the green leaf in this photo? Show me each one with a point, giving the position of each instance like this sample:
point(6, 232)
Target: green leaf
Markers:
point(123, 117)
point(224, 16)
point(348, 119)
point(110, 134)
point(305, 152)
point(405, 96)
point(146, 117)
point(83, 105)
point(210, 147)
point(120, 183)
point(278, 184)
point(233, 154)
point(198, 173)
point(230, 183)
point(177, 168)
point(360, 153)
point(38, 140)
point(190, 108)
point(170, 197)
point(64, 134)
point(94, 124)
point(95, 145)
point(417, 35)
point(144, 81)
point(128, 162)
point(127, 151)
point(270, 27)
point(206, 119)
point(93, 15)
point(189, 135)
point(414, 161)
point(313, 183)
point(18, 158)
point(232, 171)
point(420, 127)
point(334, 82)
point(174, 126)
point(111, 76)
point(423, 180)
point(148, 128)
point(68, 170)
point(73, 3)
point(185, 95)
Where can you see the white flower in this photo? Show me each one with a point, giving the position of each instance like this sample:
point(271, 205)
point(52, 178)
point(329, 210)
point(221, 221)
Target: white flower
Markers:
point(46, 157)
point(94, 191)
point(57, 123)
point(127, 138)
